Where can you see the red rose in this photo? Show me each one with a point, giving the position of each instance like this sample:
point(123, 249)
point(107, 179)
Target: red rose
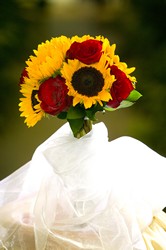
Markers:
point(87, 52)
point(53, 95)
point(121, 88)
point(23, 74)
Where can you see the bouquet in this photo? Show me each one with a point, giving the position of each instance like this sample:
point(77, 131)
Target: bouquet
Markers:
point(73, 78)
point(89, 193)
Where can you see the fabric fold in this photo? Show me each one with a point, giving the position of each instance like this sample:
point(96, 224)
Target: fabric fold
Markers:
point(87, 193)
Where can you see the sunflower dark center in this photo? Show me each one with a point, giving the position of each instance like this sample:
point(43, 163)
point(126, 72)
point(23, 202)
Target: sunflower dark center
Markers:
point(33, 98)
point(88, 81)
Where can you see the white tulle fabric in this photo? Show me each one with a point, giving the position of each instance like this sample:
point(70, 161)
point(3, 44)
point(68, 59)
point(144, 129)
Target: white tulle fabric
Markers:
point(83, 194)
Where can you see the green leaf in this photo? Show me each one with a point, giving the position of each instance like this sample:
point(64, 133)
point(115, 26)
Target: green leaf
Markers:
point(58, 72)
point(75, 113)
point(134, 96)
point(123, 104)
point(91, 115)
point(76, 125)
point(62, 115)
point(107, 108)
point(91, 112)
point(131, 99)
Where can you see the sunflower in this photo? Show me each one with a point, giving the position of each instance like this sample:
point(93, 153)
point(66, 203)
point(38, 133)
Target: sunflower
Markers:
point(81, 39)
point(88, 84)
point(48, 58)
point(44, 64)
point(30, 105)
point(61, 44)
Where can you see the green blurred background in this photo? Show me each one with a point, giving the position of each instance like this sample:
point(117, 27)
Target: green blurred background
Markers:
point(138, 29)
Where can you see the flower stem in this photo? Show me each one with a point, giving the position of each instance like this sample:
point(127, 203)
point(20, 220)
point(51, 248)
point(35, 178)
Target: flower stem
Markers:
point(86, 128)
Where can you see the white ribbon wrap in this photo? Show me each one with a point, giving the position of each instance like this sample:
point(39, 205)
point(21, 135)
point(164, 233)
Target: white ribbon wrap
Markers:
point(85, 193)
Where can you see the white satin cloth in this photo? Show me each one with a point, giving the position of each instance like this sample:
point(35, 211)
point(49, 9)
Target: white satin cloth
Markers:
point(85, 193)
